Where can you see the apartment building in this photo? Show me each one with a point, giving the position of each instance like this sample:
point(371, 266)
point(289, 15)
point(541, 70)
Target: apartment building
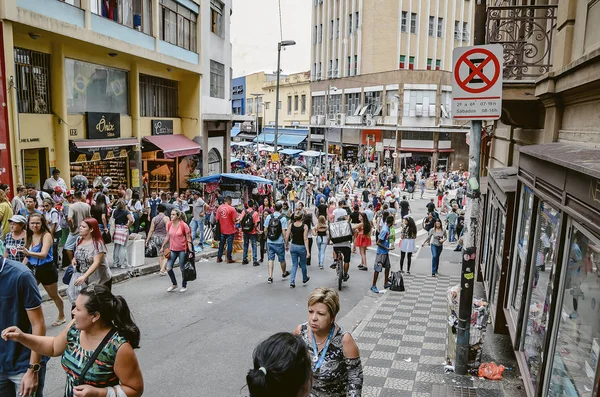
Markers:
point(113, 89)
point(382, 52)
point(540, 256)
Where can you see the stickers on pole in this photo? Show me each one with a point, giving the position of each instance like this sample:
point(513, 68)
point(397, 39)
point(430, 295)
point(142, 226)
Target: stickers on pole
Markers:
point(477, 82)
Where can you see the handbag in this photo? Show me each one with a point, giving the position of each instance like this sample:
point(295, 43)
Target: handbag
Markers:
point(189, 267)
point(94, 356)
point(167, 253)
point(106, 237)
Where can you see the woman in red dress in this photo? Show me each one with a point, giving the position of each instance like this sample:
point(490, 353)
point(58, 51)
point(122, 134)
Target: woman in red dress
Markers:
point(363, 240)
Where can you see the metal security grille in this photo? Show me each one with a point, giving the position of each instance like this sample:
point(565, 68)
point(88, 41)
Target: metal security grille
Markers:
point(158, 97)
point(33, 81)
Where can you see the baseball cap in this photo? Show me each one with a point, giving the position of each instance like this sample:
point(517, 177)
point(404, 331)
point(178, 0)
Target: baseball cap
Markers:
point(69, 192)
point(58, 189)
point(18, 219)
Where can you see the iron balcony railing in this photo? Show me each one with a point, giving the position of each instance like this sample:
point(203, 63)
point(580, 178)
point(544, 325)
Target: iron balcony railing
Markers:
point(525, 32)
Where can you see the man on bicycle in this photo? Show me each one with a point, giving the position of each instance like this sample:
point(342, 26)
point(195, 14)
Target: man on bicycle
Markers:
point(344, 248)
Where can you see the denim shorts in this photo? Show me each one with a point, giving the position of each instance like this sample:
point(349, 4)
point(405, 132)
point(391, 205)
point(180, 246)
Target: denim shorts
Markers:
point(278, 249)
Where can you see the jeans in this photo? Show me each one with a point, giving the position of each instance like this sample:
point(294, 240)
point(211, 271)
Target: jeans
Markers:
point(452, 232)
point(175, 255)
point(436, 252)
point(120, 256)
point(298, 253)
point(136, 222)
point(9, 384)
point(250, 238)
point(322, 246)
point(229, 239)
point(198, 226)
point(310, 243)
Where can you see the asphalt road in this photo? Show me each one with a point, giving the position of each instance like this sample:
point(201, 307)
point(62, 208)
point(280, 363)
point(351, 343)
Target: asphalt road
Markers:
point(200, 343)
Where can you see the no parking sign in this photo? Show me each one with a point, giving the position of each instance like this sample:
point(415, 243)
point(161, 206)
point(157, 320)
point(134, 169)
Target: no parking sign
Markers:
point(477, 82)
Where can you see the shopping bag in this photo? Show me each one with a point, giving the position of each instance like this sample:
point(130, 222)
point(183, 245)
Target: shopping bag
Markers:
point(189, 267)
point(397, 282)
point(74, 290)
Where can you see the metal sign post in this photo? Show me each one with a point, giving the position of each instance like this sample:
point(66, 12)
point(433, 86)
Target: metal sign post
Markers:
point(476, 96)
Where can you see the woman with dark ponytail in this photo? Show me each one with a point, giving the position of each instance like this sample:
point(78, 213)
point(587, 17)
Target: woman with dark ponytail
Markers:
point(282, 368)
point(101, 322)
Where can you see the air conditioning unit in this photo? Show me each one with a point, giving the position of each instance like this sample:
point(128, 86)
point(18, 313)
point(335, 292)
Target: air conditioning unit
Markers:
point(340, 119)
point(368, 119)
point(371, 122)
point(320, 120)
point(350, 120)
point(313, 120)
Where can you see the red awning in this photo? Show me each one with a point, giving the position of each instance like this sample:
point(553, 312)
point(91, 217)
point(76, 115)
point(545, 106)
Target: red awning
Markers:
point(174, 145)
point(425, 150)
point(105, 143)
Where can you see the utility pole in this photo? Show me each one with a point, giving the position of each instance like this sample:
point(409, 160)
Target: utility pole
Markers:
point(469, 253)
point(256, 97)
point(397, 160)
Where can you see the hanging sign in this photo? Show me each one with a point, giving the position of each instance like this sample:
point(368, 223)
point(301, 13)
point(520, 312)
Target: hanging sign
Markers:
point(103, 125)
point(162, 127)
point(477, 82)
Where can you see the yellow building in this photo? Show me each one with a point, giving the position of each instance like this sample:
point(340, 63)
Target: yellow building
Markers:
point(93, 90)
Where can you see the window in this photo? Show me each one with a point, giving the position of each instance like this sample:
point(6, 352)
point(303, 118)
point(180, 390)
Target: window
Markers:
point(289, 105)
point(402, 61)
point(392, 104)
point(336, 68)
point(217, 80)
point(413, 22)
point(335, 105)
point(404, 21)
point(356, 20)
point(316, 35)
point(33, 81)
point(315, 71)
point(123, 12)
point(267, 105)
point(373, 99)
point(429, 62)
point(352, 103)
point(330, 70)
point(318, 106)
point(337, 28)
point(356, 65)
point(349, 66)
point(249, 106)
point(331, 30)
point(438, 64)
point(158, 97)
point(303, 102)
point(295, 103)
point(279, 105)
point(319, 71)
point(259, 103)
point(96, 88)
point(320, 33)
point(456, 30)
point(419, 103)
point(411, 63)
point(440, 27)
point(349, 23)
point(465, 32)
point(177, 25)
point(431, 26)
point(216, 17)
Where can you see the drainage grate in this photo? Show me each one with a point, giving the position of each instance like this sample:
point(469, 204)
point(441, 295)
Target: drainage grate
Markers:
point(453, 391)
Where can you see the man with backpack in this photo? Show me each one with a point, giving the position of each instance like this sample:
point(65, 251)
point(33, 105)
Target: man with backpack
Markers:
point(226, 216)
point(274, 225)
point(249, 220)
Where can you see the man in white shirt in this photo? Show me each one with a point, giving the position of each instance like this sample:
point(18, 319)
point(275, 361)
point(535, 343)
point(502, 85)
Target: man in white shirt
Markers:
point(340, 212)
point(54, 181)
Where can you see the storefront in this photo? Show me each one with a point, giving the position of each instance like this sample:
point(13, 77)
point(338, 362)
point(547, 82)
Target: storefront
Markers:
point(552, 303)
point(104, 153)
point(497, 234)
point(168, 158)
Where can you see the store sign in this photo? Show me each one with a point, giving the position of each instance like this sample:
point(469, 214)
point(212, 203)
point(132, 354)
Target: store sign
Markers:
point(103, 125)
point(162, 127)
point(83, 156)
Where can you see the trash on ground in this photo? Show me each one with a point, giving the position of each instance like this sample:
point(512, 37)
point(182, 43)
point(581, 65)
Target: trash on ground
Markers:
point(408, 360)
point(491, 371)
point(448, 368)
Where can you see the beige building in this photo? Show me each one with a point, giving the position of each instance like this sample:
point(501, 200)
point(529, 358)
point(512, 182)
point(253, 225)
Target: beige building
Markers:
point(386, 65)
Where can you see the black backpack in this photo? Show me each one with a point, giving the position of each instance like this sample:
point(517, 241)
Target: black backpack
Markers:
point(274, 229)
point(397, 282)
point(247, 222)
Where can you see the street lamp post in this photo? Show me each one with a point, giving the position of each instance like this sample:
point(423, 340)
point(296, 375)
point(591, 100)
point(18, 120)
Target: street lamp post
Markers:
point(256, 96)
point(397, 160)
point(326, 148)
point(283, 43)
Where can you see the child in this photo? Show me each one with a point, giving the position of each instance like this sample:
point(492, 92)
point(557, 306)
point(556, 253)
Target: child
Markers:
point(382, 259)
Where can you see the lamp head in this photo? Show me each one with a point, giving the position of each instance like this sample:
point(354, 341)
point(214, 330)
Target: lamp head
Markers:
point(286, 43)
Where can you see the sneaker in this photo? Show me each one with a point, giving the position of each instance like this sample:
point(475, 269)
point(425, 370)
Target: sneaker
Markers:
point(306, 281)
point(433, 275)
point(401, 271)
point(270, 280)
point(292, 285)
point(408, 273)
point(346, 277)
point(183, 289)
point(172, 288)
point(244, 262)
point(321, 267)
point(388, 285)
point(360, 267)
point(284, 275)
point(374, 289)
point(332, 266)
point(256, 264)
point(364, 268)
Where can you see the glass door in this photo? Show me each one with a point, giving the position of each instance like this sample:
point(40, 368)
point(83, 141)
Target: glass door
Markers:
point(489, 271)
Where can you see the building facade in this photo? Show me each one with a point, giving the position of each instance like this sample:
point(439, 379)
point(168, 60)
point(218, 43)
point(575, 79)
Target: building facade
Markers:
point(540, 256)
point(390, 62)
point(238, 96)
point(93, 89)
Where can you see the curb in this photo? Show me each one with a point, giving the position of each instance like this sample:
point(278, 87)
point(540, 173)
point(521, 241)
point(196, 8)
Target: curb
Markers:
point(142, 270)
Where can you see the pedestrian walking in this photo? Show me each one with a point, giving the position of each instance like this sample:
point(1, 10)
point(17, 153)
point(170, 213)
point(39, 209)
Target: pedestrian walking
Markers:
point(436, 238)
point(226, 216)
point(274, 226)
point(282, 367)
point(296, 238)
point(308, 221)
point(249, 221)
point(452, 220)
point(103, 322)
point(321, 230)
point(122, 219)
point(6, 213)
point(14, 241)
point(404, 207)
point(157, 235)
point(382, 258)
point(336, 364)
point(179, 240)
point(407, 247)
point(77, 211)
point(363, 240)
point(199, 208)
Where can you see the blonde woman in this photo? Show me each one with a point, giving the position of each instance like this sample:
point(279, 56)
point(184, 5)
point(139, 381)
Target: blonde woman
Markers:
point(6, 213)
point(321, 230)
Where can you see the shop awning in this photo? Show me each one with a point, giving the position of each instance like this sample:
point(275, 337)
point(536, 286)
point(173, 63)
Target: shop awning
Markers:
point(105, 143)
point(235, 130)
point(290, 152)
point(174, 145)
point(283, 139)
point(425, 150)
point(232, 177)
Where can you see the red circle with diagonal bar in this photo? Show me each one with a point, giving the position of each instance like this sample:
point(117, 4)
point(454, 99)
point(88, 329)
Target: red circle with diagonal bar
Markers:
point(477, 71)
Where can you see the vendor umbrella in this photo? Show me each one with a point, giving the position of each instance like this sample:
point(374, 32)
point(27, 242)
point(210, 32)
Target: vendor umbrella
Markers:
point(228, 177)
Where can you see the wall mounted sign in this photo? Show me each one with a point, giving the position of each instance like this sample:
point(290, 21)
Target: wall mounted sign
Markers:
point(103, 125)
point(162, 127)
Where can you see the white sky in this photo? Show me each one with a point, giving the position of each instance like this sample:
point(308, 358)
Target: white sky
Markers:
point(255, 34)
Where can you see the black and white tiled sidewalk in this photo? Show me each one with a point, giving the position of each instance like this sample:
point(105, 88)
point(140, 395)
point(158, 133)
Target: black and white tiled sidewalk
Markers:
point(403, 346)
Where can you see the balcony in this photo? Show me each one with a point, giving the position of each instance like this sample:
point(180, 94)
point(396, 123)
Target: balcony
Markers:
point(525, 32)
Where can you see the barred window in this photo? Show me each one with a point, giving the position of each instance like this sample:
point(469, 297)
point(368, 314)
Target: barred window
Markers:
point(33, 81)
point(217, 80)
point(158, 97)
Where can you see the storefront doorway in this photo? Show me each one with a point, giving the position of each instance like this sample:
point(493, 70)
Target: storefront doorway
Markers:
point(35, 166)
point(215, 163)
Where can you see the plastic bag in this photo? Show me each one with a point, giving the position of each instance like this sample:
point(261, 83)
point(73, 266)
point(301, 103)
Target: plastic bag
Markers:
point(73, 290)
point(491, 371)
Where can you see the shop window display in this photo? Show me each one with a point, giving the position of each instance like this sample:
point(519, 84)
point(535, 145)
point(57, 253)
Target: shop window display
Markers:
point(578, 341)
point(519, 268)
point(541, 276)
